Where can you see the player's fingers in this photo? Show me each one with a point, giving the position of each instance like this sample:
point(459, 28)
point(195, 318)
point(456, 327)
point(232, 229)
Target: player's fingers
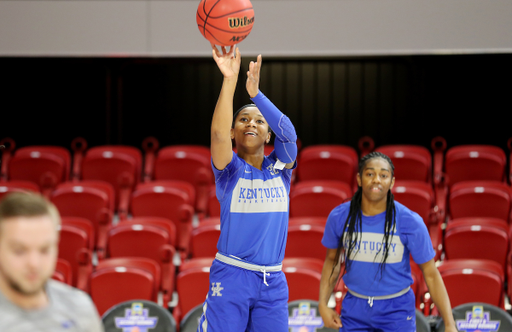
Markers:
point(223, 50)
point(238, 55)
point(337, 320)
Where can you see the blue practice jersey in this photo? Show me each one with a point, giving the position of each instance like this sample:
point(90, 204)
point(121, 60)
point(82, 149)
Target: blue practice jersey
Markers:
point(410, 238)
point(254, 209)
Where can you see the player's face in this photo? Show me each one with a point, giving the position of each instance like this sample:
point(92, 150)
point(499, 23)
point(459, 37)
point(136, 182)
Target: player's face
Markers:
point(28, 253)
point(376, 179)
point(251, 128)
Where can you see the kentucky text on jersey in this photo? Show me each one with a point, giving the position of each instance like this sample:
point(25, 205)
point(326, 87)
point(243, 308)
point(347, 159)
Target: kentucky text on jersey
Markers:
point(369, 248)
point(259, 196)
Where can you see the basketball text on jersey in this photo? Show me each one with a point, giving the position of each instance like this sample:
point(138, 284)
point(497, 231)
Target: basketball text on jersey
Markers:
point(253, 196)
point(369, 249)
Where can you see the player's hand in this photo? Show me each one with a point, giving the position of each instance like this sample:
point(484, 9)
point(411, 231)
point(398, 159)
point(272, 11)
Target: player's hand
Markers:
point(253, 77)
point(330, 317)
point(228, 62)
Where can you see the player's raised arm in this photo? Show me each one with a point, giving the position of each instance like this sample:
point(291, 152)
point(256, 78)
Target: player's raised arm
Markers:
point(229, 65)
point(285, 143)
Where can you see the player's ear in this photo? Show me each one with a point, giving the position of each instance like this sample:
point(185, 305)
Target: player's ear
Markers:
point(392, 183)
point(358, 177)
point(232, 133)
point(268, 137)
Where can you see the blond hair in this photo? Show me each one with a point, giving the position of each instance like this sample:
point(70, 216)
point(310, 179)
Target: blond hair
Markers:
point(21, 204)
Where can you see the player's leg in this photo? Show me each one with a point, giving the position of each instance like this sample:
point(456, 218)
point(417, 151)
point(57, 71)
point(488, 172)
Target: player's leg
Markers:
point(270, 311)
point(395, 315)
point(229, 298)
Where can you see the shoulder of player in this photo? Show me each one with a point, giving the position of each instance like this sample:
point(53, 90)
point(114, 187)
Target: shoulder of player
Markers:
point(67, 295)
point(403, 213)
point(340, 210)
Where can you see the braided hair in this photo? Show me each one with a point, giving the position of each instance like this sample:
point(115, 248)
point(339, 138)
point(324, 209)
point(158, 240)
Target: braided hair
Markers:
point(352, 230)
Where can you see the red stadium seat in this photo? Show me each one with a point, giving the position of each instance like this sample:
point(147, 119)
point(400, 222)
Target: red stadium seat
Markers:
point(480, 199)
point(490, 234)
point(317, 198)
point(417, 196)
point(93, 200)
point(411, 162)
point(471, 280)
point(303, 283)
point(201, 262)
point(328, 162)
point(305, 270)
point(63, 272)
point(167, 199)
point(16, 186)
point(164, 223)
point(116, 280)
point(192, 286)
point(313, 264)
point(132, 239)
point(46, 166)
point(74, 248)
point(316, 221)
point(190, 163)
point(121, 166)
point(204, 238)
point(475, 162)
point(84, 225)
point(304, 240)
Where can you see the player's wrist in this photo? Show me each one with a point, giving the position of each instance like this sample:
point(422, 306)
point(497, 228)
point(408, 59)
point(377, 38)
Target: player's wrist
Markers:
point(231, 79)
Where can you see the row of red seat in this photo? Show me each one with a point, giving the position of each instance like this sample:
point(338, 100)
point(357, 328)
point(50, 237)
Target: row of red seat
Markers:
point(149, 238)
point(112, 282)
point(123, 166)
point(172, 200)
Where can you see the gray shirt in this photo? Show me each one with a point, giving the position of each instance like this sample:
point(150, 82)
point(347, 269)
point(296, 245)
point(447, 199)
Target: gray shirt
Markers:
point(69, 310)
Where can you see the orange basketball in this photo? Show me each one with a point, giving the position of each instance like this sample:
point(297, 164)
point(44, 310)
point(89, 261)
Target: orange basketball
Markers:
point(225, 22)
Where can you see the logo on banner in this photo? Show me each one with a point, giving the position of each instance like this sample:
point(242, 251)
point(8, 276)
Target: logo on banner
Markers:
point(478, 320)
point(136, 319)
point(304, 319)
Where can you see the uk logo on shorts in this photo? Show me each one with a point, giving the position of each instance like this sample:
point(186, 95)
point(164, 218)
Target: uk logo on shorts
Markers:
point(216, 289)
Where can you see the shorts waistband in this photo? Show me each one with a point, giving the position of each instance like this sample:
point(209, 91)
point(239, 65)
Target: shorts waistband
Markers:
point(247, 266)
point(381, 297)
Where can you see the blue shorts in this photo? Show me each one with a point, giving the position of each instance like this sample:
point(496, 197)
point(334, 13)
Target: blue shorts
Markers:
point(238, 300)
point(396, 314)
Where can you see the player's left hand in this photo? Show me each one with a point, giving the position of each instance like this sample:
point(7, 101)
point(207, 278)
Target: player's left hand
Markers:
point(253, 77)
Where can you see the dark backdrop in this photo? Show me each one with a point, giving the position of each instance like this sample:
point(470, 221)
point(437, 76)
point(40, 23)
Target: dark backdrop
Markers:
point(395, 100)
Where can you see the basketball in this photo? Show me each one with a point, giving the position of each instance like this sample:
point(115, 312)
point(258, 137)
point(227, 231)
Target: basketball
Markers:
point(225, 22)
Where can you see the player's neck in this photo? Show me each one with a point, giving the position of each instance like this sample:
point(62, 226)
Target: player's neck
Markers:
point(253, 158)
point(38, 300)
point(372, 208)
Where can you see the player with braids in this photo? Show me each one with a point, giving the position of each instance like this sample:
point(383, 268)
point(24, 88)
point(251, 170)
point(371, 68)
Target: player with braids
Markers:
point(354, 219)
point(377, 235)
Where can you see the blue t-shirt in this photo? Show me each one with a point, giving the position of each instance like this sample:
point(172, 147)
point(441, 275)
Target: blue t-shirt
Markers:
point(254, 209)
point(410, 238)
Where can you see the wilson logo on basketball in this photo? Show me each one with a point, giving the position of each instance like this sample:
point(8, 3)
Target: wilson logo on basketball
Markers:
point(240, 22)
